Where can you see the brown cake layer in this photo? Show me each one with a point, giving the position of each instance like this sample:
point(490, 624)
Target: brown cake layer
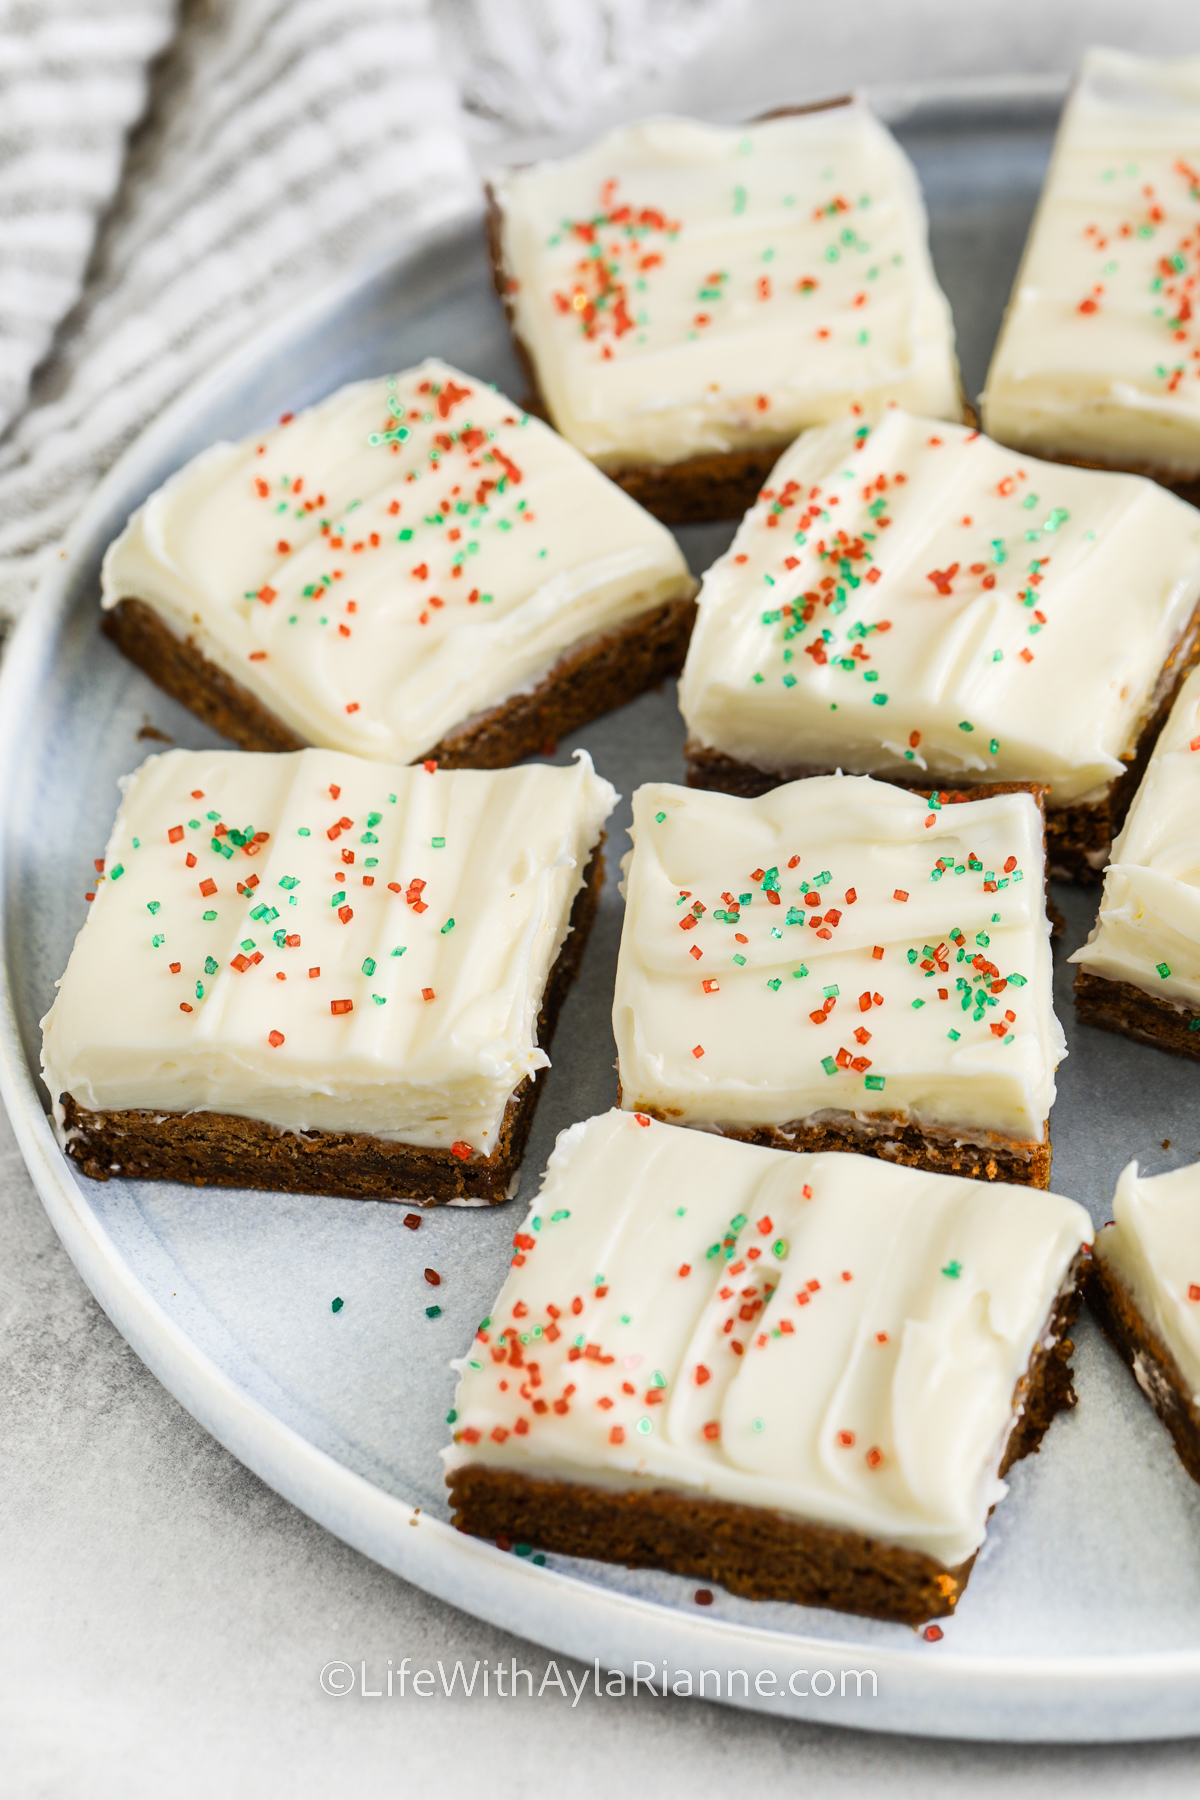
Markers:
point(981, 1156)
point(1152, 1364)
point(592, 678)
point(1078, 837)
point(1149, 1018)
point(749, 1550)
point(210, 1149)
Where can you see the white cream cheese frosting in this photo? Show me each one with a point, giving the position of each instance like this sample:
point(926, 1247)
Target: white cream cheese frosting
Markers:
point(324, 943)
point(838, 945)
point(1099, 355)
point(911, 597)
point(826, 1336)
point(1148, 928)
point(684, 289)
point(1153, 1247)
point(396, 560)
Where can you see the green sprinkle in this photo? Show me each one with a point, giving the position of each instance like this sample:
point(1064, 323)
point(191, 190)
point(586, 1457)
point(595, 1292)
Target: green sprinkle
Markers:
point(368, 967)
point(659, 817)
point(874, 1082)
point(1164, 969)
point(303, 831)
point(379, 999)
point(157, 941)
point(199, 990)
point(994, 746)
point(337, 1304)
point(774, 985)
point(211, 965)
point(879, 699)
point(953, 1270)
point(208, 915)
point(448, 926)
point(439, 843)
point(954, 1036)
point(740, 960)
point(116, 873)
point(289, 881)
point(562, 1213)
point(830, 993)
point(800, 973)
point(452, 1416)
point(965, 725)
point(433, 1312)
point(399, 950)
point(645, 1427)
point(917, 1003)
point(829, 1066)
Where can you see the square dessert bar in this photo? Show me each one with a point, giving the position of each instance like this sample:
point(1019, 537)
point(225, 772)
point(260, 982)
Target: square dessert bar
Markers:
point(842, 965)
point(801, 1377)
point(911, 600)
point(413, 568)
point(324, 975)
point(687, 297)
point(1098, 360)
point(1140, 968)
point(1143, 1284)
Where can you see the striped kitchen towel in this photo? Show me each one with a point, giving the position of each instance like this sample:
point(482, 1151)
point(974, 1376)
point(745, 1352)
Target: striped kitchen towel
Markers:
point(284, 141)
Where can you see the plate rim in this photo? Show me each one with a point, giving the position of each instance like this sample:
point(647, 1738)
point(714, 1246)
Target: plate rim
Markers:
point(1102, 1698)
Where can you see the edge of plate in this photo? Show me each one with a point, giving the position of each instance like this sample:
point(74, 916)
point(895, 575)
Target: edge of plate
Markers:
point(1076, 1699)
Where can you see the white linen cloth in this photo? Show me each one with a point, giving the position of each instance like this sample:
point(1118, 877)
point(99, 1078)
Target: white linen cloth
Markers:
point(282, 141)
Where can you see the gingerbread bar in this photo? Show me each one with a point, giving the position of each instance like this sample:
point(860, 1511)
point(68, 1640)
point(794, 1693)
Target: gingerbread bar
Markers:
point(413, 568)
point(324, 975)
point(687, 297)
point(911, 600)
point(1140, 968)
point(843, 965)
point(801, 1377)
point(1098, 360)
point(1144, 1286)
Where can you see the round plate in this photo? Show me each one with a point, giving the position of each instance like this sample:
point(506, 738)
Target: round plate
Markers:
point(1082, 1620)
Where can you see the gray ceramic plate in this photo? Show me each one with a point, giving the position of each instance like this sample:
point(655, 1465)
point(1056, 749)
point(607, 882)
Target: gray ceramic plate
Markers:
point(1082, 1620)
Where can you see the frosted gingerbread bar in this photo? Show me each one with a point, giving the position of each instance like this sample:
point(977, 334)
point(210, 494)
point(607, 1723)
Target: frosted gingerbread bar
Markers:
point(1098, 360)
point(413, 568)
point(687, 297)
point(801, 1377)
point(910, 600)
point(1139, 971)
point(324, 975)
point(1144, 1286)
point(842, 965)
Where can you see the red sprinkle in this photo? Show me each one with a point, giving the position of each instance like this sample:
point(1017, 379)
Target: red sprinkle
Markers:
point(427, 994)
point(341, 1006)
point(275, 1038)
point(461, 1150)
point(413, 1221)
point(433, 1278)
